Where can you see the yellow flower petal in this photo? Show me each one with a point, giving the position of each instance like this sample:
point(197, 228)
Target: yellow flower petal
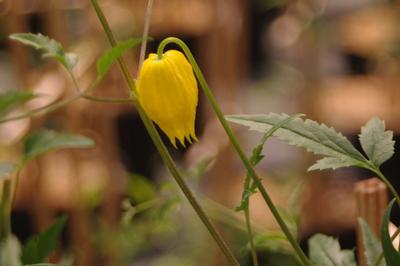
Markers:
point(167, 91)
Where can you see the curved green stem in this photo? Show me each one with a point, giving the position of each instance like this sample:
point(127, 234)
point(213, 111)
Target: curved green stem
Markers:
point(169, 162)
point(42, 110)
point(59, 104)
point(253, 250)
point(302, 257)
point(229, 217)
point(145, 34)
point(249, 230)
point(387, 183)
point(7, 200)
point(124, 68)
point(5, 210)
point(107, 100)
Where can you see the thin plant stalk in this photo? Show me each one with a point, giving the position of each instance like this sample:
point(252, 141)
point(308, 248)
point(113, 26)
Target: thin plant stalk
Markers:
point(169, 162)
point(5, 210)
point(387, 183)
point(145, 35)
point(300, 254)
point(7, 200)
point(59, 104)
point(249, 230)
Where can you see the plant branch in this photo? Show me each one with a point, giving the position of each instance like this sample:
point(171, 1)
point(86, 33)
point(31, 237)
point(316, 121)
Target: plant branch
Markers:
point(169, 162)
point(253, 250)
point(145, 33)
point(5, 210)
point(300, 254)
point(386, 181)
point(42, 110)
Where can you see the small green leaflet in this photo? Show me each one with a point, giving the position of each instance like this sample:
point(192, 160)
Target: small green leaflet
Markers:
point(11, 99)
point(10, 251)
point(377, 143)
point(372, 246)
point(109, 57)
point(325, 250)
point(47, 140)
point(40, 246)
point(49, 47)
point(6, 169)
point(392, 257)
point(256, 156)
point(316, 138)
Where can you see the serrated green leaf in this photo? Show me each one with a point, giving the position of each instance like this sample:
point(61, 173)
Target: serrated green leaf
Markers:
point(372, 246)
point(377, 143)
point(109, 57)
point(47, 140)
point(325, 250)
point(6, 169)
point(316, 138)
point(10, 250)
point(49, 47)
point(40, 246)
point(246, 194)
point(256, 156)
point(392, 257)
point(11, 99)
point(332, 163)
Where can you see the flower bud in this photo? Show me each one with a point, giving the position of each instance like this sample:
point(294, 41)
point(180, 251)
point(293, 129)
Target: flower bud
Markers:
point(167, 91)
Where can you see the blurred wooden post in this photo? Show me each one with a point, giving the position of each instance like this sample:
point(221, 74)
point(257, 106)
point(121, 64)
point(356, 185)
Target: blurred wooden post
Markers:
point(371, 202)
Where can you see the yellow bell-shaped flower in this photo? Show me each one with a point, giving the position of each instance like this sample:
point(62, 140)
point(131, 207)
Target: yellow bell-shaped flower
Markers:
point(167, 91)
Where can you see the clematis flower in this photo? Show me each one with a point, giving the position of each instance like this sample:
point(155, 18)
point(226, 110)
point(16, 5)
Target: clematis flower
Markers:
point(167, 91)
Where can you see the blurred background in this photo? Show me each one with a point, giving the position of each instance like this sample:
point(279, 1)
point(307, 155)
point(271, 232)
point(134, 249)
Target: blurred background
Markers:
point(336, 61)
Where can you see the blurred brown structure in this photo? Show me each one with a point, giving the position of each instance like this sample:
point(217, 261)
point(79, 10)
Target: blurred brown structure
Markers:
point(372, 200)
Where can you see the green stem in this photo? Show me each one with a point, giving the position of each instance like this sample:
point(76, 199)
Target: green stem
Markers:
point(302, 257)
point(107, 100)
point(169, 162)
point(124, 68)
point(42, 110)
point(16, 182)
point(145, 34)
point(7, 200)
point(5, 210)
point(249, 230)
point(387, 183)
point(228, 217)
point(57, 105)
point(253, 250)
point(144, 206)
